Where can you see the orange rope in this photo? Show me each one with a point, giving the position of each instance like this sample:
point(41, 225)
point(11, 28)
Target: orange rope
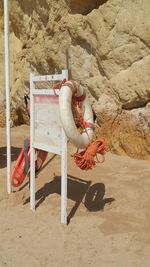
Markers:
point(85, 159)
point(59, 84)
point(80, 118)
point(77, 104)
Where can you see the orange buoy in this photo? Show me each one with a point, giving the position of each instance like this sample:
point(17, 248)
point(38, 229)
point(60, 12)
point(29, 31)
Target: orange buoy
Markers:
point(22, 165)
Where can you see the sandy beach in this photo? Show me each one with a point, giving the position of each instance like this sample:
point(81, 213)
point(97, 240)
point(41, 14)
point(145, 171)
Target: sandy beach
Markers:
point(108, 213)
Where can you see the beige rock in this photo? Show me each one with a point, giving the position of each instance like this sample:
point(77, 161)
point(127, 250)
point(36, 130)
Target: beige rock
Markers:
point(107, 46)
point(132, 85)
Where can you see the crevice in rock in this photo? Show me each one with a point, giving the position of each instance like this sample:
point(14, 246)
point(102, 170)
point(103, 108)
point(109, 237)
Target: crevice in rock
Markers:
point(131, 106)
point(136, 61)
point(124, 68)
point(93, 94)
point(28, 6)
point(86, 46)
point(84, 7)
point(40, 7)
point(141, 40)
point(83, 44)
point(116, 94)
point(101, 69)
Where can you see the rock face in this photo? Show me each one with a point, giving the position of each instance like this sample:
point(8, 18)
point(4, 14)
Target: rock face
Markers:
point(108, 43)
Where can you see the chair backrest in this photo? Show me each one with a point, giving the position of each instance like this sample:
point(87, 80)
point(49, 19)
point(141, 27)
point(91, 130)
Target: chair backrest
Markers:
point(44, 111)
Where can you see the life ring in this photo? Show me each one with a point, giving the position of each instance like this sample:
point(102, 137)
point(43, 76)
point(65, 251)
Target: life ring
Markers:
point(69, 90)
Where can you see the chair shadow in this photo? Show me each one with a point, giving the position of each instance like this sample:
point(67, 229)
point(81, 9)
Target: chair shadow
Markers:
point(95, 200)
point(77, 189)
point(3, 155)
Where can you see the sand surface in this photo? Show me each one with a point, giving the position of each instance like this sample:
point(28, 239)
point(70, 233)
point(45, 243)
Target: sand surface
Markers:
point(108, 209)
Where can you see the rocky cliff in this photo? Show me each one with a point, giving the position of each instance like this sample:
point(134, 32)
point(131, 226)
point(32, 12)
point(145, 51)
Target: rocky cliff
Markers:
point(109, 49)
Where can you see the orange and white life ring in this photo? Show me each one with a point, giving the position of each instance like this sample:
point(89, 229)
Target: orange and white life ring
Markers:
point(69, 90)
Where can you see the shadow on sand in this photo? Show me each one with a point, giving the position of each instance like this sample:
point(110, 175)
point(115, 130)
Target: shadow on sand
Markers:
point(3, 155)
point(78, 190)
